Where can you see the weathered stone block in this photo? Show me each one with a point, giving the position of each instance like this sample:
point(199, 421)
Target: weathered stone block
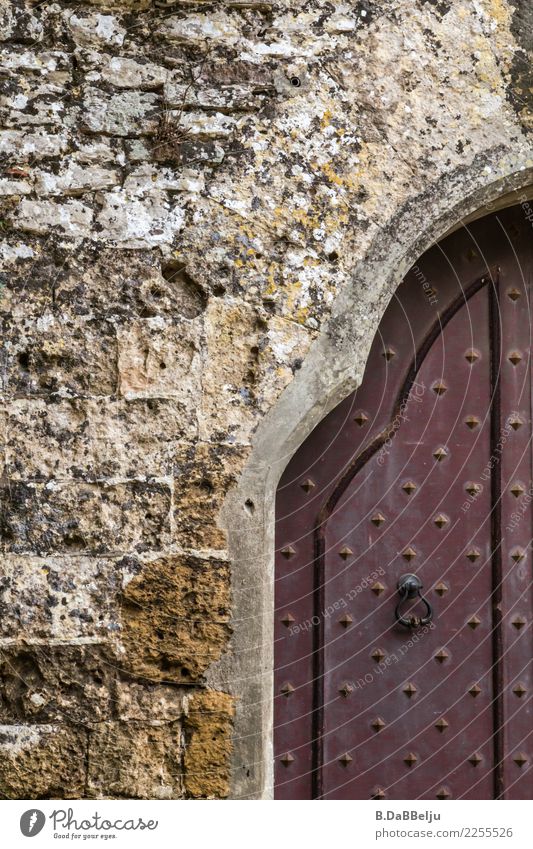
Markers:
point(215, 27)
point(71, 217)
point(54, 684)
point(28, 293)
point(127, 286)
point(227, 97)
point(37, 144)
point(42, 761)
point(129, 73)
point(63, 517)
point(130, 113)
point(135, 761)
point(96, 438)
point(12, 252)
point(146, 178)
point(9, 188)
point(58, 598)
point(175, 615)
point(160, 359)
point(74, 180)
point(94, 29)
point(203, 477)
point(209, 124)
point(520, 76)
point(151, 222)
point(230, 371)
point(217, 74)
point(283, 349)
point(191, 150)
point(52, 65)
point(97, 152)
point(53, 354)
point(208, 736)
point(42, 108)
point(3, 441)
point(138, 150)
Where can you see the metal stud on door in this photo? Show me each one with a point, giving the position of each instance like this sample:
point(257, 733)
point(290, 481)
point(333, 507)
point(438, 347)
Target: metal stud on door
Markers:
point(403, 574)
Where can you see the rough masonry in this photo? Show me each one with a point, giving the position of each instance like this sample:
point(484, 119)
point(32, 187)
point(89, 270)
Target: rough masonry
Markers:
point(185, 189)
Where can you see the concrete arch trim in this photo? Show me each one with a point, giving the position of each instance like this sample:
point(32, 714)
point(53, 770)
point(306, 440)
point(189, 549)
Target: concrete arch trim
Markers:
point(332, 369)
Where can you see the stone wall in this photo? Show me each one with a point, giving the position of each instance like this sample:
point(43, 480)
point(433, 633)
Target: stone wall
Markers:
point(186, 190)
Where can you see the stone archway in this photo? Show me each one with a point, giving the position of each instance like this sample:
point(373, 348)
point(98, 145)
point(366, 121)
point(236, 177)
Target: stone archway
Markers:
point(412, 481)
point(332, 369)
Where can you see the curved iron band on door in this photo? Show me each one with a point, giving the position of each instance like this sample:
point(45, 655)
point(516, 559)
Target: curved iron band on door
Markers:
point(359, 462)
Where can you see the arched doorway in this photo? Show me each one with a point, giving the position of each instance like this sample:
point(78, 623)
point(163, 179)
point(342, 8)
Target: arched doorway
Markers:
point(424, 470)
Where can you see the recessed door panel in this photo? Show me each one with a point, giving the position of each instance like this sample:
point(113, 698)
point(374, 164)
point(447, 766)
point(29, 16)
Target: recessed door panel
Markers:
point(403, 637)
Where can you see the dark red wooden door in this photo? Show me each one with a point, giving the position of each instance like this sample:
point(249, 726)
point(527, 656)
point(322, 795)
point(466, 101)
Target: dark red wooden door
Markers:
point(426, 469)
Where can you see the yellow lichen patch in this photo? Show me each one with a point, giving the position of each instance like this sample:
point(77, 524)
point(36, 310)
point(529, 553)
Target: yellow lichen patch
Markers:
point(247, 231)
point(498, 10)
point(302, 315)
point(207, 755)
point(306, 218)
point(326, 119)
point(502, 38)
point(331, 175)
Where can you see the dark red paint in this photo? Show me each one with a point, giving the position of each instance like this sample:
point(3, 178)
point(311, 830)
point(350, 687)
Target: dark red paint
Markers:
point(364, 707)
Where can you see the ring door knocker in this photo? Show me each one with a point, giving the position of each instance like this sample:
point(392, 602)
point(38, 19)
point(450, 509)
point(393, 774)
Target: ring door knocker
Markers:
point(409, 587)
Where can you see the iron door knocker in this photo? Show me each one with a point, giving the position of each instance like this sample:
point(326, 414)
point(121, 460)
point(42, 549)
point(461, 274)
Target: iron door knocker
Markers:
point(410, 586)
